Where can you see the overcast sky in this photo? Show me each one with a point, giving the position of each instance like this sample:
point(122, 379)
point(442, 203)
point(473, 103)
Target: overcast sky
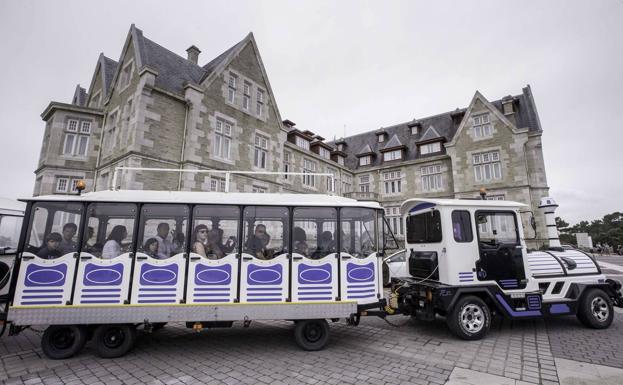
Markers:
point(340, 66)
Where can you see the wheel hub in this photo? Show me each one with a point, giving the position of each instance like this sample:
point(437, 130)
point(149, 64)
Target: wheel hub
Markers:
point(312, 333)
point(113, 338)
point(600, 309)
point(472, 318)
point(63, 339)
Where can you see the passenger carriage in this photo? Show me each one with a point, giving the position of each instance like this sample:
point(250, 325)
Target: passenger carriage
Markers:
point(218, 258)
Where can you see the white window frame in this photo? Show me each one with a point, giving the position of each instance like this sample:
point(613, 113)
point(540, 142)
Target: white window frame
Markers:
point(392, 155)
point(431, 178)
point(324, 153)
point(301, 142)
point(365, 160)
point(364, 183)
point(231, 90)
point(487, 166)
point(217, 184)
point(381, 138)
point(259, 189)
point(65, 185)
point(392, 182)
point(112, 129)
point(392, 213)
point(287, 165)
point(309, 167)
point(246, 95)
point(430, 148)
point(74, 131)
point(482, 126)
point(72, 125)
point(347, 183)
point(340, 160)
point(87, 124)
point(331, 180)
point(259, 96)
point(260, 154)
point(126, 75)
point(414, 130)
point(222, 139)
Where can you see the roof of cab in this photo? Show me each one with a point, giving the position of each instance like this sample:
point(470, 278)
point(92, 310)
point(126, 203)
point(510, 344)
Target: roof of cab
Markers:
point(487, 204)
point(199, 197)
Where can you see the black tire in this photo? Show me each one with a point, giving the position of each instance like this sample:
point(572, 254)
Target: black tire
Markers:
point(386, 278)
point(5, 274)
point(158, 325)
point(312, 334)
point(63, 341)
point(595, 309)
point(113, 341)
point(470, 318)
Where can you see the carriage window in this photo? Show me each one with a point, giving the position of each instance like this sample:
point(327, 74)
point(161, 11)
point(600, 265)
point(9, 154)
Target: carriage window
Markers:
point(54, 228)
point(215, 231)
point(461, 226)
point(314, 233)
point(10, 227)
point(424, 227)
point(110, 229)
point(358, 231)
point(163, 230)
point(497, 228)
point(265, 231)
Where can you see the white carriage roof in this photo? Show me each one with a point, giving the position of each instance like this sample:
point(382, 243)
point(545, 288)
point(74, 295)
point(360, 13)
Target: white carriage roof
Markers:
point(464, 203)
point(208, 198)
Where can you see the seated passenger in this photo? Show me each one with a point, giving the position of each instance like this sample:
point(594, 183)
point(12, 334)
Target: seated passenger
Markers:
point(214, 246)
point(165, 247)
point(199, 240)
point(179, 242)
point(112, 247)
point(90, 247)
point(68, 245)
point(52, 248)
point(256, 244)
point(299, 241)
point(326, 245)
point(230, 245)
point(151, 247)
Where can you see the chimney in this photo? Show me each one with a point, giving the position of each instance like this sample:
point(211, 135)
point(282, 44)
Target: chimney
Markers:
point(193, 54)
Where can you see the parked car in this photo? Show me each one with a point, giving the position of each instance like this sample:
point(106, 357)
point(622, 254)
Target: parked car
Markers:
point(395, 265)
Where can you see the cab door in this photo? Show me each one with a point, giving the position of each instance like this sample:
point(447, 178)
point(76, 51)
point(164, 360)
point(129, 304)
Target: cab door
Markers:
point(500, 249)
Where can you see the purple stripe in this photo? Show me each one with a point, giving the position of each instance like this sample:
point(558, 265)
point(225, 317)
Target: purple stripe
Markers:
point(100, 296)
point(43, 291)
point(211, 294)
point(212, 300)
point(98, 290)
point(263, 300)
point(264, 288)
point(156, 301)
point(466, 272)
point(315, 298)
point(550, 269)
point(315, 288)
point(268, 294)
point(361, 296)
point(42, 303)
point(355, 286)
point(466, 280)
point(155, 295)
point(41, 296)
point(516, 313)
point(314, 292)
point(150, 289)
point(100, 301)
point(211, 288)
point(361, 291)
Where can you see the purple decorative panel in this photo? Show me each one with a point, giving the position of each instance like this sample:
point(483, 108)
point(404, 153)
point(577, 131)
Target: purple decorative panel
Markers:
point(360, 273)
point(212, 275)
point(309, 274)
point(37, 275)
point(95, 275)
point(158, 275)
point(264, 275)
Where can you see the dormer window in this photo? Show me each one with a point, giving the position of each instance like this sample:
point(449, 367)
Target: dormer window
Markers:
point(302, 143)
point(365, 160)
point(381, 138)
point(323, 152)
point(414, 130)
point(340, 160)
point(340, 147)
point(482, 126)
point(430, 148)
point(392, 155)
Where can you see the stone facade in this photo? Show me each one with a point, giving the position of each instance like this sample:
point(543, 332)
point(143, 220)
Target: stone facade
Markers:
point(155, 109)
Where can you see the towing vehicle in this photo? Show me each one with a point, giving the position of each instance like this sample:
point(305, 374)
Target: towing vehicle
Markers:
point(468, 260)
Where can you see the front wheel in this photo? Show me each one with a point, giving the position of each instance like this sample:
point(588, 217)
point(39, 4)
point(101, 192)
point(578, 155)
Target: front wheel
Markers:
point(312, 334)
point(470, 318)
point(113, 341)
point(63, 341)
point(595, 309)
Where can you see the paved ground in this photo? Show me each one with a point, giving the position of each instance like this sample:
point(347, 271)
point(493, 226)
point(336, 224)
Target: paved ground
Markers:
point(373, 352)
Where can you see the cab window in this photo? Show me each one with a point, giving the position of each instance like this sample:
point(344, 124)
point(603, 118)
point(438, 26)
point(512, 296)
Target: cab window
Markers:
point(109, 232)
point(462, 226)
point(54, 229)
point(163, 230)
point(424, 227)
point(359, 235)
point(496, 228)
point(10, 227)
point(215, 231)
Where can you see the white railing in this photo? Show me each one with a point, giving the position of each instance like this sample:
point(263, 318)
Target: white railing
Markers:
point(227, 173)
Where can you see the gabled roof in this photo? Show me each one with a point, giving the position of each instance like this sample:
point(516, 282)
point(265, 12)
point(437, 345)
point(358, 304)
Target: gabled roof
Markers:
point(80, 96)
point(222, 58)
point(366, 150)
point(109, 67)
point(430, 134)
point(445, 124)
point(394, 142)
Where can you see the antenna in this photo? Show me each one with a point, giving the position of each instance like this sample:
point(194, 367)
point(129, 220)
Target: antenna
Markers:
point(344, 131)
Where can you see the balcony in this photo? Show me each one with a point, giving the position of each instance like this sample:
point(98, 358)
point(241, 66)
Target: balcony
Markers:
point(362, 196)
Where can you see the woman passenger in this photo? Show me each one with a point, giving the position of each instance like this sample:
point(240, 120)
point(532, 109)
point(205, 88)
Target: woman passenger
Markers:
point(199, 240)
point(112, 247)
point(214, 246)
point(151, 248)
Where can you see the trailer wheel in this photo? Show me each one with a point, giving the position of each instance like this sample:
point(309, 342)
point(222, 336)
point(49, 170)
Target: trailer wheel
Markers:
point(312, 334)
point(63, 341)
point(470, 318)
point(595, 309)
point(114, 340)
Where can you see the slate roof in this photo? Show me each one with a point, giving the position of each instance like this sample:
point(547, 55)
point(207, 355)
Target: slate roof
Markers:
point(429, 134)
point(393, 143)
point(445, 125)
point(365, 150)
point(109, 67)
point(80, 96)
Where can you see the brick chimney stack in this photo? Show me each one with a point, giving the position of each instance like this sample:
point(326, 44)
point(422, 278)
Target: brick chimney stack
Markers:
point(193, 54)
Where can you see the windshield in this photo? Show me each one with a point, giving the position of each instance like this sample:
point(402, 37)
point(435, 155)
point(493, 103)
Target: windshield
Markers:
point(424, 227)
point(10, 227)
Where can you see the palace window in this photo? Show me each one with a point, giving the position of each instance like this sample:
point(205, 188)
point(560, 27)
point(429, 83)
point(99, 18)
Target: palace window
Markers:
point(392, 181)
point(331, 180)
point(487, 166)
point(392, 155)
point(62, 184)
point(231, 93)
point(381, 138)
point(217, 184)
point(414, 130)
point(309, 167)
point(246, 95)
point(126, 76)
point(287, 166)
point(77, 138)
point(393, 218)
point(259, 107)
point(430, 148)
point(364, 183)
point(112, 131)
point(323, 152)
point(259, 190)
point(222, 139)
point(340, 160)
point(482, 126)
point(365, 160)
point(260, 156)
point(431, 178)
point(302, 143)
